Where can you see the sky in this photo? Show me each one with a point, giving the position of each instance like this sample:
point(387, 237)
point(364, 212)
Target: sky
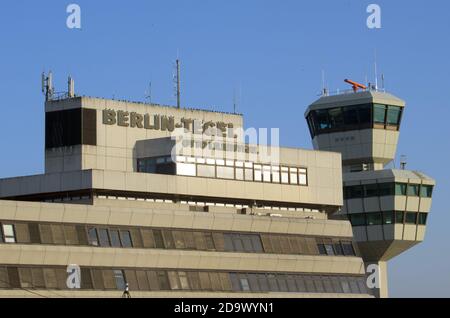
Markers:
point(269, 54)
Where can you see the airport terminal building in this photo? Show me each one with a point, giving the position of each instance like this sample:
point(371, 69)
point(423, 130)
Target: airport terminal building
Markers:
point(120, 203)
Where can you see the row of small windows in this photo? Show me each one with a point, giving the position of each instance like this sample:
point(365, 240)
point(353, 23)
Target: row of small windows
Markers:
point(224, 169)
point(391, 217)
point(387, 189)
point(167, 239)
point(364, 116)
point(297, 283)
point(169, 280)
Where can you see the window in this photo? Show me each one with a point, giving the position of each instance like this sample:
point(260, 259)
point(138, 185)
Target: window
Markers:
point(258, 173)
point(394, 115)
point(148, 240)
point(351, 116)
point(159, 241)
point(329, 249)
point(336, 118)
point(386, 189)
point(173, 279)
point(168, 239)
point(399, 217)
point(354, 192)
point(103, 237)
point(8, 233)
point(423, 218)
point(267, 174)
point(338, 248)
point(358, 219)
point(302, 176)
point(22, 233)
point(163, 281)
point(370, 190)
point(46, 233)
point(293, 174)
point(209, 242)
point(365, 115)
point(142, 280)
point(119, 279)
point(411, 218)
point(178, 239)
point(58, 234)
point(284, 175)
point(206, 171)
point(322, 119)
point(400, 189)
point(92, 234)
point(248, 174)
point(413, 190)
point(225, 172)
point(388, 218)
point(348, 249)
point(322, 250)
point(374, 219)
point(239, 174)
point(184, 283)
point(379, 114)
point(186, 169)
point(426, 191)
point(115, 240)
point(276, 174)
point(70, 232)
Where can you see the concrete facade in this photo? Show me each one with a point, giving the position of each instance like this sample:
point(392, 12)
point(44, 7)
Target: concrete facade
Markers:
point(265, 236)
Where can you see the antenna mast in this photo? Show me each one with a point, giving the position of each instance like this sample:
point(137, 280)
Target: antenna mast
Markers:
point(178, 83)
point(148, 94)
point(376, 71)
point(47, 85)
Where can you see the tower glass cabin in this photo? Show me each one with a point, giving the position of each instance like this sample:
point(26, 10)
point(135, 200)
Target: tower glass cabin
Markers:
point(388, 208)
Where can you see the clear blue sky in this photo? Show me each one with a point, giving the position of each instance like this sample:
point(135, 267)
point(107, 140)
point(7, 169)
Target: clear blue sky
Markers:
point(274, 50)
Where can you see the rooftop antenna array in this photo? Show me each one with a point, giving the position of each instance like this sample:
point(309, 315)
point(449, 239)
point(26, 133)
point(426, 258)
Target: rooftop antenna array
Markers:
point(324, 88)
point(376, 71)
point(47, 85)
point(234, 101)
point(403, 162)
point(148, 93)
point(70, 87)
point(177, 81)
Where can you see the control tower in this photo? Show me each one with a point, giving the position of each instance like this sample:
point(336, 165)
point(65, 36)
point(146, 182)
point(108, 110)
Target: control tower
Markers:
point(388, 208)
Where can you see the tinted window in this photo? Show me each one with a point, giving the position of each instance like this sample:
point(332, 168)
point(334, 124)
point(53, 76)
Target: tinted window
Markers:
point(379, 114)
point(388, 217)
point(410, 218)
point(374, 219)
point(413, 190)
point(423, 218)
point(103, 237)
point(394, 115)
point(400, 189)
point(358, 219)
point(426, 191)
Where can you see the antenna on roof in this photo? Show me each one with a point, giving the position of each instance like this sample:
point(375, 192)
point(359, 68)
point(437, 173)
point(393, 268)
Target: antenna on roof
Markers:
point(403, 162)
point(382, 82)
point(71, 87)
point(234, 101)
point(324, 88)
point(148, 93)
point(47, 85)
point(177, 81)
point(376, 71)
